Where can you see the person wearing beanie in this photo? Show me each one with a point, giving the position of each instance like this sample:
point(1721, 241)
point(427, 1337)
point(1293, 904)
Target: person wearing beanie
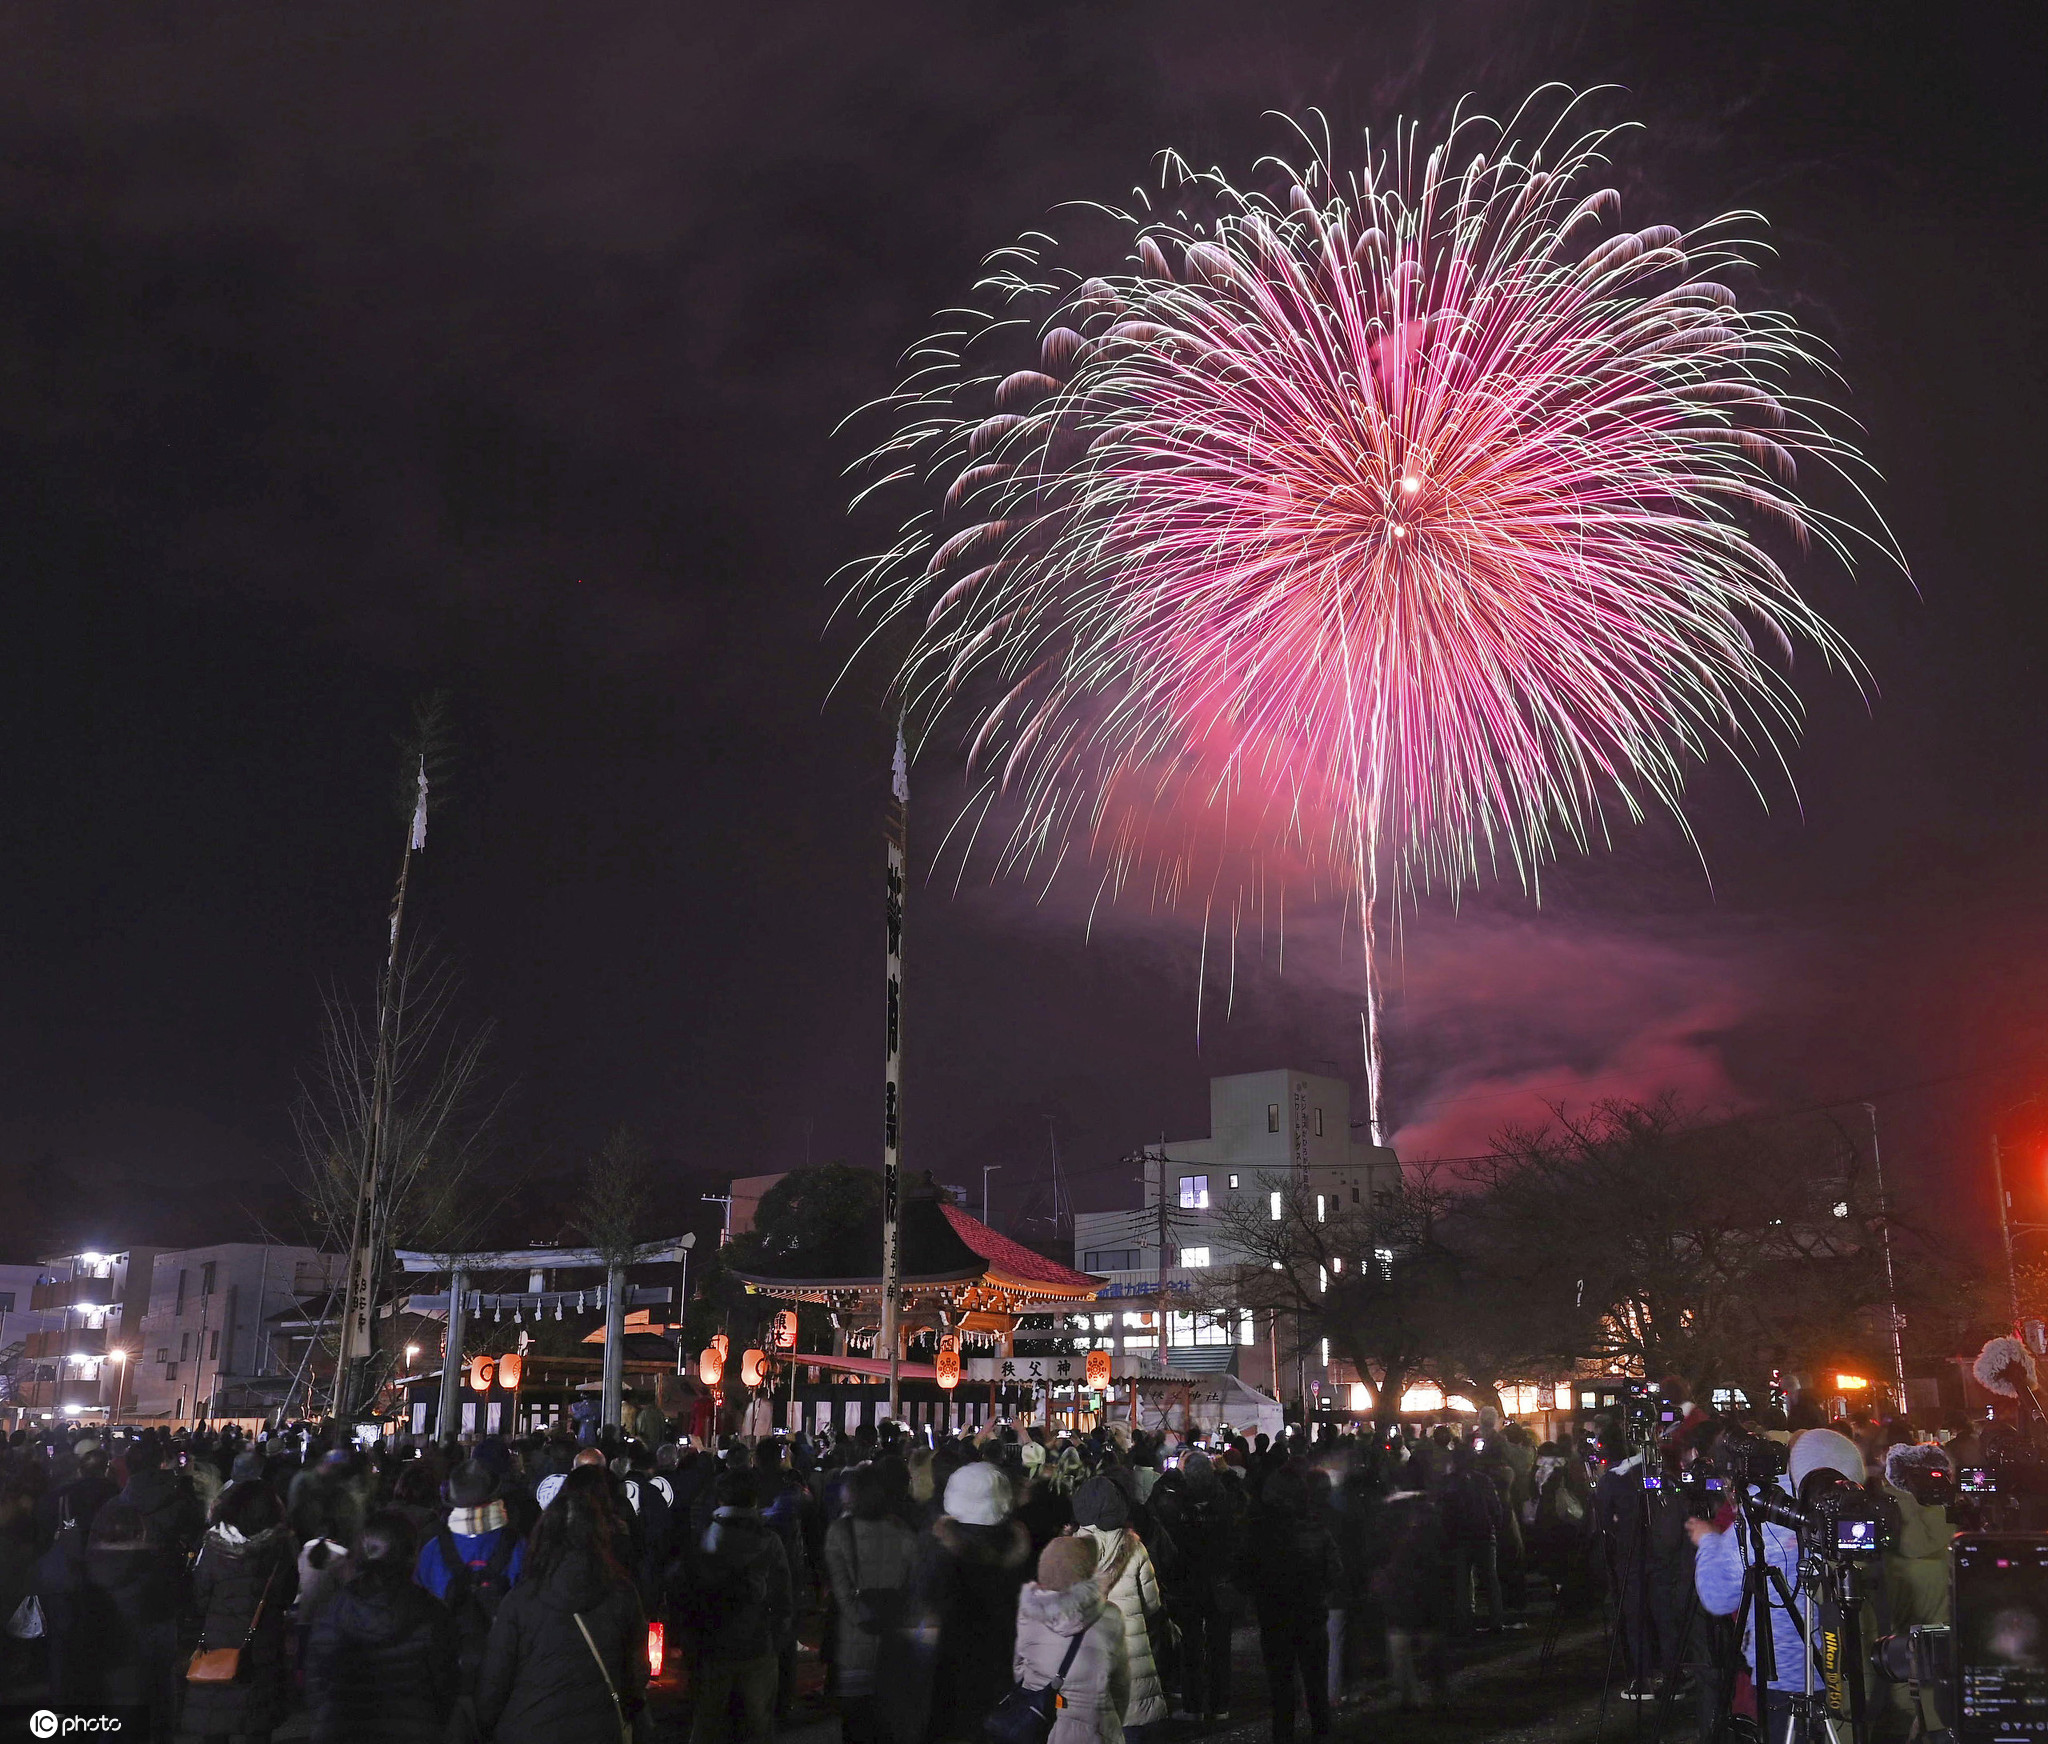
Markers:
point(1066, 1601)
point(477, 1542)
point(961, 1615)
point(1918, 1479)
point(1819, 1459)
point(1102, 1515)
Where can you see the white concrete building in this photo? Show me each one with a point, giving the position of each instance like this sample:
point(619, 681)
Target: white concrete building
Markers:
point(1269, 1133)
point(208, 1333)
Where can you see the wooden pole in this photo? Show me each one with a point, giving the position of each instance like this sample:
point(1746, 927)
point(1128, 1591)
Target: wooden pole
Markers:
point(897, 857)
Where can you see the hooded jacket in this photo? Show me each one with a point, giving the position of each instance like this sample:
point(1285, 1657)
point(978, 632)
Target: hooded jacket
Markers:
point(541, 1683)
point(233, 1577)
point(962, 1619)
point(380, 1663)
point(1096, 1692)
point(1135, 1596)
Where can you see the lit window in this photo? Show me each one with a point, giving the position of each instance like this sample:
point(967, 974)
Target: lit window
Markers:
point(1244, 1326)
point(1141, 1341)
point(1319, 1123)
point(1273, 1206)
point(1132, 1318)
point(1361, 1396)
point(1337, 1263)
point(1422, 1398)
point(1272, 1117)
point(1326, 1353)
point(1103, 1322)
point(1194, 1256)
point(1194, 1192)
point(1322, 1277)
point(1322, 1209)
point(1233, 1180)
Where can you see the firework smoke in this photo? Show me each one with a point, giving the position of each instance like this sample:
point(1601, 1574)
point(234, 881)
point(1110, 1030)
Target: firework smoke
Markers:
point(1369, 536)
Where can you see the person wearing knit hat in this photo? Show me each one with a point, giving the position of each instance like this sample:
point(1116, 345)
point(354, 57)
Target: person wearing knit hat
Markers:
point(1918, 1480)
point(1063, 1610)
point(961, 1619)
point(1102, 1513)
point(1721, 1559)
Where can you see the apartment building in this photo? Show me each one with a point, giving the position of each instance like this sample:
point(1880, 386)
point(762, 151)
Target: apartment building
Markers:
point(209, 1343)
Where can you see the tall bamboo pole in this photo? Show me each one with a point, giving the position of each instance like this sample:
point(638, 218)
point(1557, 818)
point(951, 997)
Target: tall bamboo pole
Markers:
point(892, 1093)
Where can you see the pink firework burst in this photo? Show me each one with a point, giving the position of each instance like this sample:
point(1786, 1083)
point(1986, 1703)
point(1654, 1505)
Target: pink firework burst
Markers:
point(1373, 534)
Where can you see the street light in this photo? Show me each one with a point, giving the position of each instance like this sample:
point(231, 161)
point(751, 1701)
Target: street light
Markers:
point(412, 1352)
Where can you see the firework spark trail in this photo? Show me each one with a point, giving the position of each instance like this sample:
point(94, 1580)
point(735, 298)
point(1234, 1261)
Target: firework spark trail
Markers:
point(1404, 524)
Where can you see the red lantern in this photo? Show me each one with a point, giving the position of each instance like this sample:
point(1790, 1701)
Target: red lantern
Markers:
point(510, 1366)
point(657, 1648)
point(480, 1368)
point(711, 1363)
point(753, 1368)
point(1098, 1369)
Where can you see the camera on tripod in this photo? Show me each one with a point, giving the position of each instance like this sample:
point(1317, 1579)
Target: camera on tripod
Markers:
point(1839, 1521)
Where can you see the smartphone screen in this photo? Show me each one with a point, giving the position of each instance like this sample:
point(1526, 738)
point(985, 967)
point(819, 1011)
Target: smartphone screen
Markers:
point(2001, 1636)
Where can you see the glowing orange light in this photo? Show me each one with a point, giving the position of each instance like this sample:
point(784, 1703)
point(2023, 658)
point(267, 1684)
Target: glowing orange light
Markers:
point(782, 1334)
point(753, 1368)
point(711, 1365)
point(480, 1369)
point(1850, 1383)
point(657, 1648)
point(947, 1366)
point(510, 1367)
point(1098, 1369)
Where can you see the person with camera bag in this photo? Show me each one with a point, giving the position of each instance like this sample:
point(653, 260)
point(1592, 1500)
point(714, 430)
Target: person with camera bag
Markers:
point(1068, 1635)
point(1820, 1459)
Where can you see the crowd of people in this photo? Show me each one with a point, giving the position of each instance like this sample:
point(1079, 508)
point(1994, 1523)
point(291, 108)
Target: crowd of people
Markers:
point(505, 1589)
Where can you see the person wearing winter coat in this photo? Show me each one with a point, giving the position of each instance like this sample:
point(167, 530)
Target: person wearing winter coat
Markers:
point(1131, 1585)
point(1062, 1603)
point(1818, 1457)
point(110, 1610)
point(1411, 1582)
point(869, 1555)
point(567, 1659)
point(1289, 1564)
point(381, 1659)
point(242, 1585)
point(740, 1612)
point(1916, 1562)
point(961, 1618)
point(166, 1500)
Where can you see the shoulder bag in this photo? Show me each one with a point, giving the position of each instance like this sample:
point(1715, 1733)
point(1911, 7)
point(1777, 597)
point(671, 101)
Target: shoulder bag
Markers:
point(1026, 1716)
point(604, 1671)
point(224, 1664)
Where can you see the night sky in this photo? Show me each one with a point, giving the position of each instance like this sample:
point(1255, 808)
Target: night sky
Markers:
point(351, 352)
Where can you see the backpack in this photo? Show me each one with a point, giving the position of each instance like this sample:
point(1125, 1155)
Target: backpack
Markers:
point(474, 1595)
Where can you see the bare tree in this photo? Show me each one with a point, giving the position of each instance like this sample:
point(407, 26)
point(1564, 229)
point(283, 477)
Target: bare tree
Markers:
point(439, 1112)
point(618, 1186)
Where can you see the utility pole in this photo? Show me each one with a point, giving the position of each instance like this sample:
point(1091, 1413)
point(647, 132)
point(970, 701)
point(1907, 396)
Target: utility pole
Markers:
point(897, 858)
point(987, 1169)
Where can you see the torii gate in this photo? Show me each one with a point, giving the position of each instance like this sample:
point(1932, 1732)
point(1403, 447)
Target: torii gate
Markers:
point(617, 1297)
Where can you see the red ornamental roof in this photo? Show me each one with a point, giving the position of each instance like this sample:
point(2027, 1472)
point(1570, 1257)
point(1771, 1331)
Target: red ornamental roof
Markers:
point(1011, 1259)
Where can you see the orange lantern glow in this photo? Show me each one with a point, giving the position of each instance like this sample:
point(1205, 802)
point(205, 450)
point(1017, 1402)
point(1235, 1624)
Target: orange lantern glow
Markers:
point(721, 1344)
point(657, 1648)
point(480, 1369)
point(753, 1368)
point(782, 1332)
point(1098, 1369)
point(510, 1366)
point(947, 1366)
point(1850, 1383)
point(711, 1364)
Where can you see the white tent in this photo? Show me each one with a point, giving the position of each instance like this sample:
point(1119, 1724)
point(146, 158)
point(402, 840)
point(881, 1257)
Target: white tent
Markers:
point(1213, 1401)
